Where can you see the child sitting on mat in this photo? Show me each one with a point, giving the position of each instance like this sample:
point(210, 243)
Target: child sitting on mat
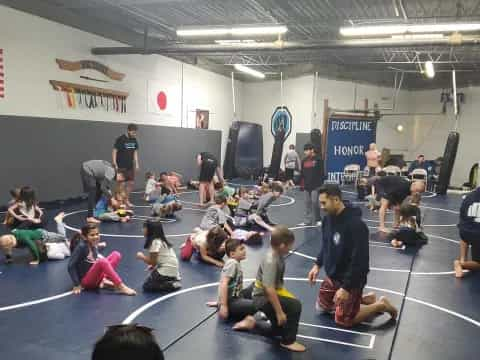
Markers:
point(150, 185)
point(161, 260)
point(89, 271)
point(118, 209)
point(209, 245)
point(25, 213)
point(165, 202)
point(171, 181)
point(269, 295)
point(235, 302)
point(408, 233)
point(216, 216)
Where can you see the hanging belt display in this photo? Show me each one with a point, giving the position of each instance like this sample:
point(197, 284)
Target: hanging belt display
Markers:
point(87, 96)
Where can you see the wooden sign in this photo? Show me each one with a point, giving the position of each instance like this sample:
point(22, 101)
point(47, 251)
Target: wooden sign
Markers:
point(89, 64)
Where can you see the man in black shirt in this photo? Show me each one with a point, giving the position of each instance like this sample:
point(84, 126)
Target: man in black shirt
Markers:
point(345, 258)
point(125, 157)
point(311, 176)
point(392, 191)
point(208, 167)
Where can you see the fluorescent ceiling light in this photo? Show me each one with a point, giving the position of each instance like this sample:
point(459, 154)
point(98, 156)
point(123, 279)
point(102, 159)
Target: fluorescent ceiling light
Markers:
point(237, 31)
point(373, 30)
point(429, 69)
point(418, 36)
point(250, 71)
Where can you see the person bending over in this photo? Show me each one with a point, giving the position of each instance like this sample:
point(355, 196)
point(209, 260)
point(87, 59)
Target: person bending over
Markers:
point(392, 191)
point(208, 165)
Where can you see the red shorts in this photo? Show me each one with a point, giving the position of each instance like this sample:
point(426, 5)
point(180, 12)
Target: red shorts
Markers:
point(345, 311)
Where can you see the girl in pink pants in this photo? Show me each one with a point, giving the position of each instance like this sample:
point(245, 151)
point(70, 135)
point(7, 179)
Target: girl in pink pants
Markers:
point(88, 271)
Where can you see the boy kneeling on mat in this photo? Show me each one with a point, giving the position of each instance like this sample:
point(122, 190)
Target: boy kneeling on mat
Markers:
point(269, 295)
point(345, 257)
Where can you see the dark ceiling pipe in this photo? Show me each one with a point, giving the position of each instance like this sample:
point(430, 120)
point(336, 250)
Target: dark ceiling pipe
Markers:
point(205, 49)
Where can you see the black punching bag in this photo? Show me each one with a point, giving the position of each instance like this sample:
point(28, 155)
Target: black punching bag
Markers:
point(229, 161)
point(277, 153)
point(316, 140)
point(448, 162)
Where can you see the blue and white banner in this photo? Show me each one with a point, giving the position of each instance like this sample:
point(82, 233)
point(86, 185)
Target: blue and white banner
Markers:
point(347, 141)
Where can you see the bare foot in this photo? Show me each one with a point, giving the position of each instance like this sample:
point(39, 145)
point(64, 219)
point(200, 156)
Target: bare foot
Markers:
point(92, 220)
point(369, 299)
point(59, 218)
point(212, 304)
point(246, 324)
point(392, 310)
point(296, 347)
point(457, 266)
point(107, 284)
point(125, 290)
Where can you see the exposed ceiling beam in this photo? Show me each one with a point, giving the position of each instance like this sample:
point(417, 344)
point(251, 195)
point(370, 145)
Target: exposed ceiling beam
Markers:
point(205, 49)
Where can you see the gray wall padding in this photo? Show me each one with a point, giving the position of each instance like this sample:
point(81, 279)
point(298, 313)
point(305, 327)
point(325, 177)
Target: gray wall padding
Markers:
point(46, 153)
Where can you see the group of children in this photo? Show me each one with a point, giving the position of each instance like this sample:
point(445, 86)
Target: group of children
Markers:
point(162, 193)
point(238, 217)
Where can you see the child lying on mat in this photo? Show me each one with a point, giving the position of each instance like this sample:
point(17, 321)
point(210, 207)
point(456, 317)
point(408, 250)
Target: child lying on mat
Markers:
point(43, 244)
point(408, 233)
point(249, 213)
point(208, 244)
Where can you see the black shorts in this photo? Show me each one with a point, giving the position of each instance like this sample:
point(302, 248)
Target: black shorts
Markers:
point(289, 173)
point(473, 239)
point(207, 170)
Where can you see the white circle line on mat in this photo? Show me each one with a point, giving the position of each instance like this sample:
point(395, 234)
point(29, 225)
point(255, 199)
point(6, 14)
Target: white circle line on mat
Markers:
point(426, 225)
point(141, 236)
point(148, 305)
point(35, 302)
point(432, 273)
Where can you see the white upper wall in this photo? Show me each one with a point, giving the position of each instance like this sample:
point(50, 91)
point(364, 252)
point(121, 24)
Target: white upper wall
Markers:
point(431, 132)
point(31, 45)
point(261, 99)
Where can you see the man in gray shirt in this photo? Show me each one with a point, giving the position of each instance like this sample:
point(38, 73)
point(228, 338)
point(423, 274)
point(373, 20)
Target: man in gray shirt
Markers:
point(98, 179)
point(291, 162)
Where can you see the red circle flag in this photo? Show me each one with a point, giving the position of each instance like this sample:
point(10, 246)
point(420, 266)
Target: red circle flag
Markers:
point(162, 100)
